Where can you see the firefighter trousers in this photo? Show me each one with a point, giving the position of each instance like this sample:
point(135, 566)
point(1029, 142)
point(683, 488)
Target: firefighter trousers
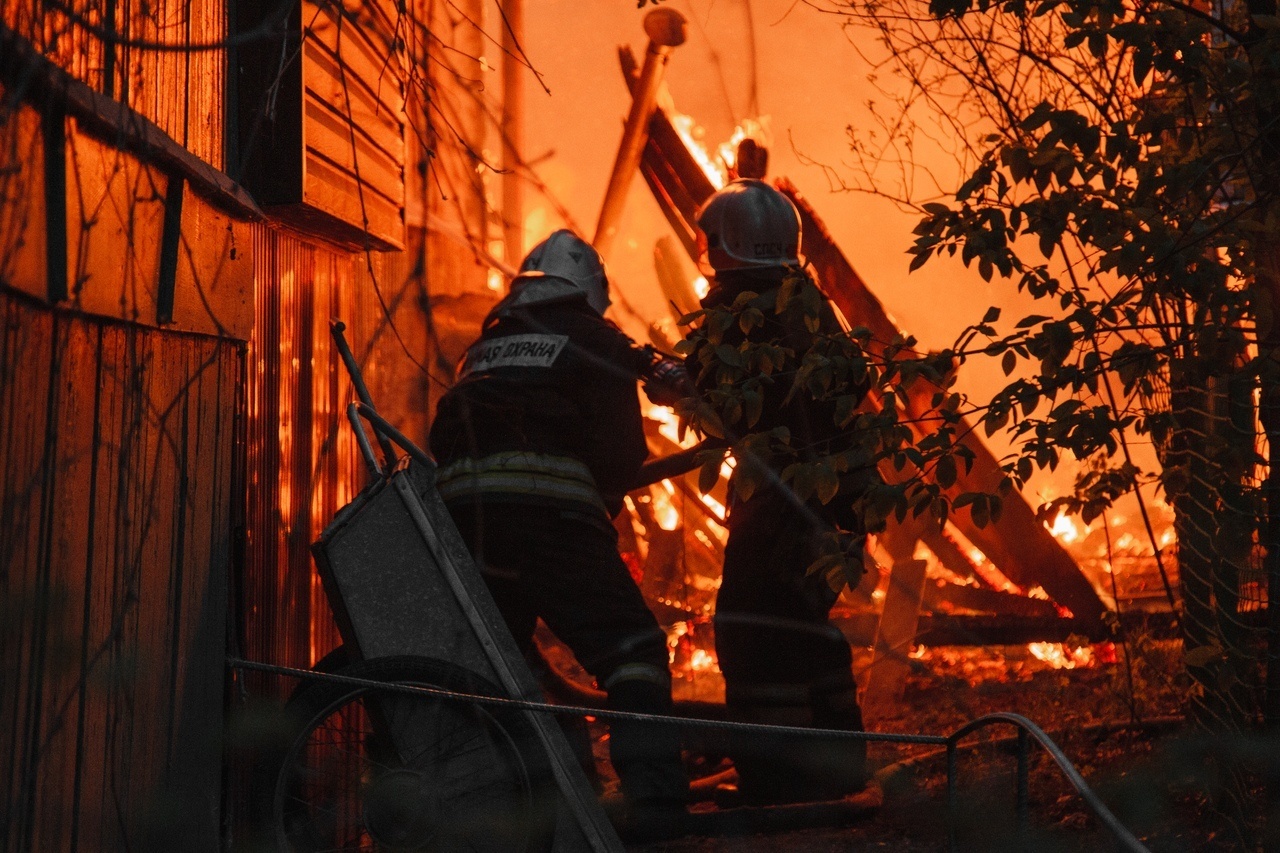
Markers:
point(783, 661)
point(563, 566)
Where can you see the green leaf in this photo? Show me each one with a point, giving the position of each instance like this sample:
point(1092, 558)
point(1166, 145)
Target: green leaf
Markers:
point(945, 472)
point(980, 510)
point(1202, 656)
point(828, 483)
point(1008, 362)
point(708, 475)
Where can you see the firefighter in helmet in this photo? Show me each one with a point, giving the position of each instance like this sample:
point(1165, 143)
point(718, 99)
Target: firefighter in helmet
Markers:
point(537, 444)
point(783, 661)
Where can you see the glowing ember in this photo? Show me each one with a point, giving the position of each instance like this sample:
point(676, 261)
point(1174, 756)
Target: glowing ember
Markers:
point(1062, 656)
point(702, 660)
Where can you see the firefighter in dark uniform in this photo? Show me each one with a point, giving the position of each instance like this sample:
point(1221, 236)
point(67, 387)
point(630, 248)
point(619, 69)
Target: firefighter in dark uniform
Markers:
point(537, 444)
point(783, 661)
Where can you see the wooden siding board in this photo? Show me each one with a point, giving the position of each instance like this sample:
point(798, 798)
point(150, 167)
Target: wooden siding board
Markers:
point(69, 549)
point(22, 204)
point(343, 109)
point(335, 189)
point(23, 409)
point(115, 214)
point(94, 801)
point(214, 289)
point(357, 64)
point(360, 154)
point(104, 641)
point(181, 91)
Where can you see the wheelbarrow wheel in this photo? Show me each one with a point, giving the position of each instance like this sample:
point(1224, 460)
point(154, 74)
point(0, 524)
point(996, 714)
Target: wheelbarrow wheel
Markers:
point(372, 769)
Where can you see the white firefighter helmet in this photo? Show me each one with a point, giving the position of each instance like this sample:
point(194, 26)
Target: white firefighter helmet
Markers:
point(748, 225)
point(562, 267)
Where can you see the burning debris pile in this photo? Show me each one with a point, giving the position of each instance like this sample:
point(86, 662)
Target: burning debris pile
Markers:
point(1013, 582)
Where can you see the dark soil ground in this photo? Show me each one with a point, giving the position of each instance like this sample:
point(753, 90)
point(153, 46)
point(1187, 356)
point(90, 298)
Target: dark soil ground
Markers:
point(1148, 771)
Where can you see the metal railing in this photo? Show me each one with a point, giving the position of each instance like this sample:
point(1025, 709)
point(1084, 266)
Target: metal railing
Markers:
point(1026, 732)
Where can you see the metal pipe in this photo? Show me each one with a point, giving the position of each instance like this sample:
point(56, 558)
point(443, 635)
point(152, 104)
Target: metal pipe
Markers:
point(362, 439)
point(1024, 783)
point(1128, 841)
point(337, 328)
point(666, 30)
point(951, 795)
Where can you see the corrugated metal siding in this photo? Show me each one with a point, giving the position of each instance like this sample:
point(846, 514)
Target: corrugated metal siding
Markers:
point(302, 460)
point(118, 446)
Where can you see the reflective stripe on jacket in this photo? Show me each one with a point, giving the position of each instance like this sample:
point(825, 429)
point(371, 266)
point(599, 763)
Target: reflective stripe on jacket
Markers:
point(519, 476)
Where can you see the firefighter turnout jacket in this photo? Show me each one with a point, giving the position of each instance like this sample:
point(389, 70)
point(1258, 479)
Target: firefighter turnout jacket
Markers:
point(545, 412)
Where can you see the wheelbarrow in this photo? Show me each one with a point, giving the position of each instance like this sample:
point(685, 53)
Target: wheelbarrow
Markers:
point(393, 746)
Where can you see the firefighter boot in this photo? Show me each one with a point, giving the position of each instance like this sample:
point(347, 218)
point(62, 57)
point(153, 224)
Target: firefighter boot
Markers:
point(646, 757)
point(842, 762)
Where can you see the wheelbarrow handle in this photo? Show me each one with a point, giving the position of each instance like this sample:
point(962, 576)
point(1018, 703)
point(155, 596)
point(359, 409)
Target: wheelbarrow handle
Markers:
point(386, 432)
point(337, 329)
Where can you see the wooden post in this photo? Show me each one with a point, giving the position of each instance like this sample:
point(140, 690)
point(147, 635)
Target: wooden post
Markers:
point(899, 619)
point(666, 30)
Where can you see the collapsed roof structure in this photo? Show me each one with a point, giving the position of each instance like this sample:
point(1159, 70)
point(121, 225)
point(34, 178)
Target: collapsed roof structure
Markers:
point(993, 565)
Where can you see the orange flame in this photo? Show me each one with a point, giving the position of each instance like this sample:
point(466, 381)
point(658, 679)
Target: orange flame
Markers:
point(1063, 656)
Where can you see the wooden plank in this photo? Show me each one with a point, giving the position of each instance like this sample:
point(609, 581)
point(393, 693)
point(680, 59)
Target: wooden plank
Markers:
point(886, 677)
point(188, 761)
point(23, 264)
point(94, 808)
point(71, 546)
point(25, 369)
point(329, 139)
point(214, 288)
point(344, 65)
point(156, 576)
point(194, 763)
point(115, 214)
point(942, 593)
point(331, 189)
